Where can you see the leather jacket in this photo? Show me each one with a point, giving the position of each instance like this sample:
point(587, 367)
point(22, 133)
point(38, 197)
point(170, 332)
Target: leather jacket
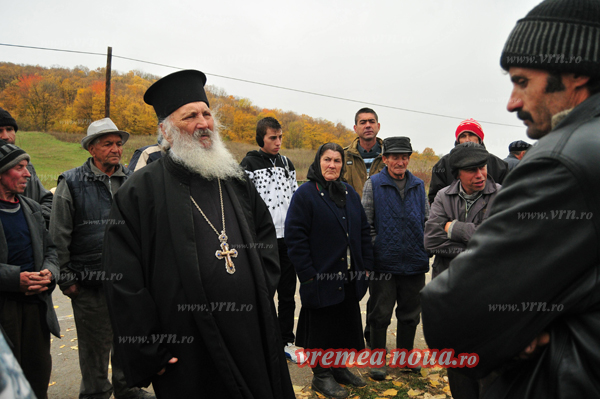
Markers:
point(533, 266)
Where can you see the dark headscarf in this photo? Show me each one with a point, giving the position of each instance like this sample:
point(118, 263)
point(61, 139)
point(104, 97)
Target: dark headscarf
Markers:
point(336, 189)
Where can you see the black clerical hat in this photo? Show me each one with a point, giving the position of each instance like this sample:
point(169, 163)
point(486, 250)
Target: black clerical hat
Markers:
point(174, 90)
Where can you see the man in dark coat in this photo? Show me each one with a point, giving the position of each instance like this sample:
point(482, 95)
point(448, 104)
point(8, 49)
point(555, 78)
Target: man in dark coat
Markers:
point(516, 152)
point(441, 174)
point(524, 294)
point(28, 272)
point(193, 313)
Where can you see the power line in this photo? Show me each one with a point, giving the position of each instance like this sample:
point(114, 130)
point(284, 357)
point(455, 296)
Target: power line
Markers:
point(268, 85)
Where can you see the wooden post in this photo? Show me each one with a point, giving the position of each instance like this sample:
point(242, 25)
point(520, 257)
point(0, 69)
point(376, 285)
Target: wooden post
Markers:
point(107, 96)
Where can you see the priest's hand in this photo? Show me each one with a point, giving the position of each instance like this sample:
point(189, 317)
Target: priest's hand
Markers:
point(172, 361)
point(72, 291)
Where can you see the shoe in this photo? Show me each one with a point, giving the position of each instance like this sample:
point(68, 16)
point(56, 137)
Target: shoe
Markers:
point(290, 353)
point(136, 393)
point(378, 374)
point(344, 376)
point(324, 383)
point(378, 341)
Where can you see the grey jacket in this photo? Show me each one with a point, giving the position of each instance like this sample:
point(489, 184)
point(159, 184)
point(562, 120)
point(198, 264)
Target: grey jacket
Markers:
point(44, 256)
point(449, 206)
point(37, 192)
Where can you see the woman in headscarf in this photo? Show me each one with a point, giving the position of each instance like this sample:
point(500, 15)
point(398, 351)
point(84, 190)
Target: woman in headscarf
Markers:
point(329, 243)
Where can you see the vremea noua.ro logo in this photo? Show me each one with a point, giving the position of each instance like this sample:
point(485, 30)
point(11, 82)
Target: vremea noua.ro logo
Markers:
point(377, 358)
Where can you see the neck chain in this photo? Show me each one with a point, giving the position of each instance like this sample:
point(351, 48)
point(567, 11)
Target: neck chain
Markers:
point(224, 252)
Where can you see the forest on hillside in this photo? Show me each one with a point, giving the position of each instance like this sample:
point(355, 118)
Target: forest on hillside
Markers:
point(60, 99)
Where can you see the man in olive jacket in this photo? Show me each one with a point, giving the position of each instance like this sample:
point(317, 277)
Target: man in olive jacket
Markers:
point(363, 155)
point(524, 295)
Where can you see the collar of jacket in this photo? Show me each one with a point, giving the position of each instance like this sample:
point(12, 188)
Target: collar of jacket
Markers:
point(91, 173)
point(353, 147)
point(582, 113)
point(490, 187)
point(411, 180)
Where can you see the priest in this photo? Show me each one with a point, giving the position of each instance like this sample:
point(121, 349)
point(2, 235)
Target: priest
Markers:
point(191, 263)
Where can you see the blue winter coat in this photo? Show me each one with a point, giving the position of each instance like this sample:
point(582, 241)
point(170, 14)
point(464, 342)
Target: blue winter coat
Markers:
point(317, 242)
point(399, 224)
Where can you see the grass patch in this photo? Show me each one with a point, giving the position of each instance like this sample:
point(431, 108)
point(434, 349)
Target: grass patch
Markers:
point(50, 156)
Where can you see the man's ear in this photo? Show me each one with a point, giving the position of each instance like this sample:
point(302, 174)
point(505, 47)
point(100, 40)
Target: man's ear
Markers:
point(165, 135)
point(575, 80)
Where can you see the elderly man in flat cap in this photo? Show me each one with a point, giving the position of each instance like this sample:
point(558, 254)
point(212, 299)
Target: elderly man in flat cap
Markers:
point(524, 295)
point(80, 211)
point(397, 208)
point(516, 152)
point(28, 272)
point(455, 215)
point(197, 292)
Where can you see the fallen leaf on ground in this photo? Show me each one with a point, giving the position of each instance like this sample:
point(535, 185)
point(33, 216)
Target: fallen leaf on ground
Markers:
point(390, 392)
point(424, 372)
point(397, 383)
point(297, 388)
point(74, 339)
point(440, 396)
point(52, 383)
point(446, 389)
point(55, 306)
point(434, 377)
point(62, 346)
point(412, 393)
point(69, 329)
point(434, 383)
point(320, 396)
point(75, 348)
point(388, 377)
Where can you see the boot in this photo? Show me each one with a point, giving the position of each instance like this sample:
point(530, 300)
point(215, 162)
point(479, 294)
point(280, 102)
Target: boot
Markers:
point(405, 339)
point(344, 376)
point(378, 341)
point(324, 383)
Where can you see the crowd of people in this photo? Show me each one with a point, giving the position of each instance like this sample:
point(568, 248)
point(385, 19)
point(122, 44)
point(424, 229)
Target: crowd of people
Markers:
point(172, 264)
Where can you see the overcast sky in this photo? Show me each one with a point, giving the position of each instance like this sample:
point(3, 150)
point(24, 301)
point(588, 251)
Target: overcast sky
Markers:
point(438, 57)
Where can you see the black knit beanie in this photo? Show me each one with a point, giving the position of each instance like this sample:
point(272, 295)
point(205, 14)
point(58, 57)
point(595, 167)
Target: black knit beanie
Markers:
point(467, 155)
point(557, 35)
point(7, 120)
point(10, 155)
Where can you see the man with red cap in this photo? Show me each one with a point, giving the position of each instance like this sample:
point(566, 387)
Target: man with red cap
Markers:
point(441, 174)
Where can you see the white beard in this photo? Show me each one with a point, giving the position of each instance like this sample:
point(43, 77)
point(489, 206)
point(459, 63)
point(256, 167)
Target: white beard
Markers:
point(214, 162)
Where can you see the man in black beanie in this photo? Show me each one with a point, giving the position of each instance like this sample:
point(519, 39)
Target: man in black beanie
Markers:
point(523, 296)
point(35, 190)
point(197, 251)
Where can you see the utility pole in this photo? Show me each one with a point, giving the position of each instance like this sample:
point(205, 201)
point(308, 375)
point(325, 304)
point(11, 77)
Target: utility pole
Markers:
point(107, 95)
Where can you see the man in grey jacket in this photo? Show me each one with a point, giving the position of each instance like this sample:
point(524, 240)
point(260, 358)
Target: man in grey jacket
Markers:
point(28, 272)
point(35, 190)
point(455, 214)
point(82, 203)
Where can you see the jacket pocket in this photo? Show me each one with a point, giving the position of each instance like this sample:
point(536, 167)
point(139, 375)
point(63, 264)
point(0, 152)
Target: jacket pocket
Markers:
point(309, 294)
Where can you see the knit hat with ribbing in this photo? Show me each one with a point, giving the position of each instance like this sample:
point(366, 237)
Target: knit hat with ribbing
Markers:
point(557, 35)
point(10, 155)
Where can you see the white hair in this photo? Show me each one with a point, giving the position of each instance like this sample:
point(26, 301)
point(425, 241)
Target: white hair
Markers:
point(214, 162)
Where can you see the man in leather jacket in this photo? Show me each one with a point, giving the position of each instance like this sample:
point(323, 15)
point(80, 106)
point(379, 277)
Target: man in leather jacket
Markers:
point(523, 296)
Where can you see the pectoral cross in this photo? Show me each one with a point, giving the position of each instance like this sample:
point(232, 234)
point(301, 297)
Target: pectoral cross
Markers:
point(226, 253)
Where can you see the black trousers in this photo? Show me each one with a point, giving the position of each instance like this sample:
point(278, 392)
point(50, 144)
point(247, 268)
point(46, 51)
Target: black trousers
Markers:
point(286, 290)
point(25, 326)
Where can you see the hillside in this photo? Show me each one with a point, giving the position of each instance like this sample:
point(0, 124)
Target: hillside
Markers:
point(68, 100)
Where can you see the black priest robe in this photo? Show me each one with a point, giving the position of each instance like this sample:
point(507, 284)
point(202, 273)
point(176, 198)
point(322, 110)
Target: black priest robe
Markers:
point(169, 296)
